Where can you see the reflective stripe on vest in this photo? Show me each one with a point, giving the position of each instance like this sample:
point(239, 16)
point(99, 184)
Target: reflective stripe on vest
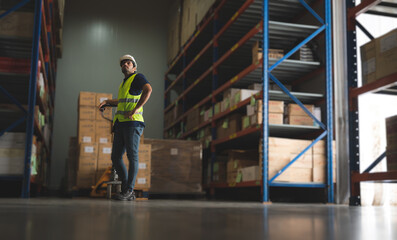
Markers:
point(127, 102)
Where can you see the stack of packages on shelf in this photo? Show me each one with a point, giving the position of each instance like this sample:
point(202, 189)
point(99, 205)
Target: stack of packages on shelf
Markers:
point(257, 53)
point(297, 116)
point(95, 144)
point(379, 57)
point(310, 167)
point(391, 136)
point(12, 153)
point(242, 166)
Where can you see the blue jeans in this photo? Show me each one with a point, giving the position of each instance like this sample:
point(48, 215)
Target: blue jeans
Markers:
point(126, 138)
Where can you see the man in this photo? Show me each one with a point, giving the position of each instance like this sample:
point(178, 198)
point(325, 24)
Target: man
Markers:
point(128, 124)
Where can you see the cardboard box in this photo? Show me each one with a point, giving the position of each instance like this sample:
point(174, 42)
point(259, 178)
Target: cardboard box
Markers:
point(228, 126)
point(87, 164)
point(241, 158)
point(105, 151)
point(17, 24)
point(192, 119)
point(250, 173)
point(245, 122)
point(87, 113)
point(275, 87)
point(386, 54)
point(276, 106)
point(300, 120)
point(241, 95)
point(107, 113)
point(256, 86)
point(225, 104)
point(87, 99)
point(233, 177)
point(368, 62)
point(275, 118)
point(296, 110)
point(86, 127)
point(100, 97)
point(217, 108)
point(293, 174)
point(86, 137)
point(320, 174)
point(103, 127)
point(219, 171)
point(88, 150)
point(105, 138)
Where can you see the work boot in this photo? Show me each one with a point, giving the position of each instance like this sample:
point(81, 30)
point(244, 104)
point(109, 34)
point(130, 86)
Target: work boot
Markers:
point(129, 195)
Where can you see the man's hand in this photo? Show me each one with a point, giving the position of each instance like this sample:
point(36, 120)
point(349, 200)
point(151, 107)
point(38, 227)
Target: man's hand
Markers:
point(102, 103)
point(130, 113)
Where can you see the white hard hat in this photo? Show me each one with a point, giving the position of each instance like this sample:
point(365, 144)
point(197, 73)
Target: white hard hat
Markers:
point(128, 57)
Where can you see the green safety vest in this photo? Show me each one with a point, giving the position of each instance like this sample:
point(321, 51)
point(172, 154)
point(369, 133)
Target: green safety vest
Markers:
point(127, 102)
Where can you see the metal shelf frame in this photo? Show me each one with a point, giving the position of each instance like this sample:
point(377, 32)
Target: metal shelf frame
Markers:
point(42, 49)
point(386, 85)
point(327, 129)
point(264, 71)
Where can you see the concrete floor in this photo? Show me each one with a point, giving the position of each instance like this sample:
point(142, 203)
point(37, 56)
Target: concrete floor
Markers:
point(171, 219)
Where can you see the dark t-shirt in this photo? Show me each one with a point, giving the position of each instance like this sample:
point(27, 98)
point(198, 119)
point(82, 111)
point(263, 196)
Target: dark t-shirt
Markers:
point(135, 89)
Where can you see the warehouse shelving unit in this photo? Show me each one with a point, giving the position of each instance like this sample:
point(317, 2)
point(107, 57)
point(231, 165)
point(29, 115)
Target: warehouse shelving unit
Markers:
point(20, 92)
point(386, 85)
point(242, 24)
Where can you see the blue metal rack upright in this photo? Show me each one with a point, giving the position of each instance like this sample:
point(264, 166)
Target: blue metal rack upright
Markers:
point(327, 129)
point(45, 52)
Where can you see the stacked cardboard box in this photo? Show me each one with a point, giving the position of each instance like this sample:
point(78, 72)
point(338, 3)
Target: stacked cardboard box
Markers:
point(296, 115)
point(310, 167)
point(379, 57)
point(176, 166)
point(255, 113)
point(238, 159)
point(193, 119)
point(303, 54)
point(391, 135)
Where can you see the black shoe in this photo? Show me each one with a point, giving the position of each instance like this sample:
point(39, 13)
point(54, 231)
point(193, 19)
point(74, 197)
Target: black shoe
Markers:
point(126, 196)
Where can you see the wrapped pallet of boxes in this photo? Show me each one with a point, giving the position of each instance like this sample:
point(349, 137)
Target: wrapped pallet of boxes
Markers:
point(176, 166)
point(87, 165)
point(238, 159)
point(297, 116)
point(391, 137)
point(228, 126)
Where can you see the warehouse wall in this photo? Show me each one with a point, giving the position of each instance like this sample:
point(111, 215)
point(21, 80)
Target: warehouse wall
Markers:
point(95, 35)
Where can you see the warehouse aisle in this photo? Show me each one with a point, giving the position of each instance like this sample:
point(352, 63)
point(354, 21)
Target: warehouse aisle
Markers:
point(169, 219)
